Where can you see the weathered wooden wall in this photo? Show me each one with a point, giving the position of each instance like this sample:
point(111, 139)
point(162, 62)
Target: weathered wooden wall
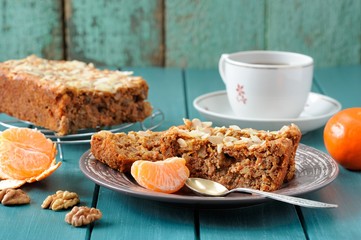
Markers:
point(28, 27)
point(179, 33)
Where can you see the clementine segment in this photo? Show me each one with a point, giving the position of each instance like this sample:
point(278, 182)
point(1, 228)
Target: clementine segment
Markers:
point(167, 176)
point(342, 138)
point(26, 155)
point(20, 163)
point(29, 139)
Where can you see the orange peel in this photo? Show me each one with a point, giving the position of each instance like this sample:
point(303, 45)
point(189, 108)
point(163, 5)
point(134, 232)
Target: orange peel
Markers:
point(26, 156)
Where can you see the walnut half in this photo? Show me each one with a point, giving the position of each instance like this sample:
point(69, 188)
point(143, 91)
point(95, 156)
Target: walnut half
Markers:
point(61, 200)
point(11, 196)
point(83, 215)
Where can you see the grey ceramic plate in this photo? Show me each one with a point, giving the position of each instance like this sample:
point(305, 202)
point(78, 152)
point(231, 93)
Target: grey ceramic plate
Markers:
point(314, 170)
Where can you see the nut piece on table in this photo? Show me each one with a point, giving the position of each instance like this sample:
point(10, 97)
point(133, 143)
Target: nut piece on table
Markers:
point(11, 196)
point(83, 215)
point(61, 200)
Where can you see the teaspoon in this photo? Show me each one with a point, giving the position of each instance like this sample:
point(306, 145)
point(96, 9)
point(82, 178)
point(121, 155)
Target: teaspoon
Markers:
point(211, 188)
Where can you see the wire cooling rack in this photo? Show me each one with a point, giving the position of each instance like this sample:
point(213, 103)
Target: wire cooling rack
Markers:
point(83, 136)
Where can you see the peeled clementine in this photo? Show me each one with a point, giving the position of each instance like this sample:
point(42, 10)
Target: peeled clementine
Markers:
point(342, 138)
point(26, 155)
point(167, 176)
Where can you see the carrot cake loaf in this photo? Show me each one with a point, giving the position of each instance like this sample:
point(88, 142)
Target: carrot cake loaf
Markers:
point(231, 156)
point(66, 96)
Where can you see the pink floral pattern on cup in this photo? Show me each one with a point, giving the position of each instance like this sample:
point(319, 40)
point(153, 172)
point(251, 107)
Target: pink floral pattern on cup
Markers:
point(241, 95)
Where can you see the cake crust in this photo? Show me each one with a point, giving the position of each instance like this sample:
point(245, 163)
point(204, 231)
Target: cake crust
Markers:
point(66, 96)
point(231, 156)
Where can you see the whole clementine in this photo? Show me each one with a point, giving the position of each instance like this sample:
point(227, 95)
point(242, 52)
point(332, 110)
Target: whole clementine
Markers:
point(342, 138)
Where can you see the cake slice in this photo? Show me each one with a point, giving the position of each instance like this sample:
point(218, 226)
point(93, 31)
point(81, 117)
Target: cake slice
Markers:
point(231, 156)
point(65, 96)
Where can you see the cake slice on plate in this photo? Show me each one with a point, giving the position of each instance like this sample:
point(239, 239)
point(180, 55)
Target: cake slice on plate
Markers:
point(231, 156)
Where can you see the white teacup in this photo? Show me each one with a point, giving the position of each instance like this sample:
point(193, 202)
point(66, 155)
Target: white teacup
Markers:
point(267, 84)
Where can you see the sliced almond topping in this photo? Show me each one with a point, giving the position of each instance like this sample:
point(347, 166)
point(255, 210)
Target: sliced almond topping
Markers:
point(206, 124)
point(219, 147)
point(182, 143)
point(196, 123)
point(255, 139)
point(234, 127)
point(229, 139)
point(228, 144)
point(284, 128)
point(215, 139)
point(143, 134)
point(132, 136)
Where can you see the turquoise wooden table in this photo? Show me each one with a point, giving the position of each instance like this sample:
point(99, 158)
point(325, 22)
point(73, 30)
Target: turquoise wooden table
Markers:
point(126, 217)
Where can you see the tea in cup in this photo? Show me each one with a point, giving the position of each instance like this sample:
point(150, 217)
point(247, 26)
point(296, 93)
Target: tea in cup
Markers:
point(267, 84)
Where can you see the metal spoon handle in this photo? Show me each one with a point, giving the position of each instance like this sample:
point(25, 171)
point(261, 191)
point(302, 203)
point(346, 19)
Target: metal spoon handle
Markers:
point(288, 199)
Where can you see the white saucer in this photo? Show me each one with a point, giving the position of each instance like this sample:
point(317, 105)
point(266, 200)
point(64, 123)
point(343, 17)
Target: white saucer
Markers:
point(215, 107)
